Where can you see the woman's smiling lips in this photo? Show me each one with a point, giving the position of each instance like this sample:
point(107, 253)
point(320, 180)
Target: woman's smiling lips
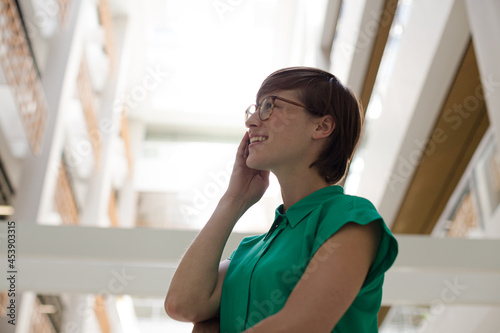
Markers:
point(256, 139)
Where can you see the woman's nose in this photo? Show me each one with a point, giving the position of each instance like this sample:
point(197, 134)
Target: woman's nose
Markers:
point(253, 120)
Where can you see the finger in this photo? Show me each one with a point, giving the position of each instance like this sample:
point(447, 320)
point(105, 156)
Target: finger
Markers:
point(243, 144)
point(246, 152)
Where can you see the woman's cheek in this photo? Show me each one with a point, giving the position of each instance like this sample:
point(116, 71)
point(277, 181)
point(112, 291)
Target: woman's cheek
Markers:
point(280, 121)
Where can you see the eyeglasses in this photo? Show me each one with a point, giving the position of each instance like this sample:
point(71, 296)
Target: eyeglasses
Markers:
point(266, 107)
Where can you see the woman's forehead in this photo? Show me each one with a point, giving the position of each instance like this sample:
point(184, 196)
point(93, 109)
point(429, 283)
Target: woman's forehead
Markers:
point(289, 94)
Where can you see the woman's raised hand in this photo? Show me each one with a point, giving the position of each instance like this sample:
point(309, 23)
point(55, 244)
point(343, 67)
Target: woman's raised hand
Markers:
point(195, 290)
point(246, 185)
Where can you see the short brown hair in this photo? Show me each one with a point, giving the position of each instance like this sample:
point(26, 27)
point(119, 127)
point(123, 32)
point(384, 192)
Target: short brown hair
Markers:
point(322, 93)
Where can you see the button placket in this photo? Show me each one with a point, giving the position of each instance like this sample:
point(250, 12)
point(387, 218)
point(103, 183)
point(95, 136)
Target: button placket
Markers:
point(277, 222)
point(267, 243)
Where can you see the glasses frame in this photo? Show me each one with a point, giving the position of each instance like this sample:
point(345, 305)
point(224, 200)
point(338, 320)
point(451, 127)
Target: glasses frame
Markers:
point(258, 107)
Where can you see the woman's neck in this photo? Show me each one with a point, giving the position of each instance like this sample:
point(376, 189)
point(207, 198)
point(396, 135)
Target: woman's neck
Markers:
point(296, 186)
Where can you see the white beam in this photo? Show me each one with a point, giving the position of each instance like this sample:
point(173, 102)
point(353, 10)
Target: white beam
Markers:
point(95, 210)
point(329, 26)
point(57, 259)
point(485, 28)
point(331, 18)
point(446, 270)
point(35, 193)
point(26, 311)
point(373, 15)
point(432, 46)
point(357, 30)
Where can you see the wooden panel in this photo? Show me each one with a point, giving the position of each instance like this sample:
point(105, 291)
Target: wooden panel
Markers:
point(6, 189)
point(65, 199)
point(459, 129)
point(4, 299)
point(107, 23)
point(385, 24)
point(466, 217)
point(87, 99)
point(382, 313)
point(63, 11)
point(21, 74)
point(112, 211)
point(101, 314)
point(125, 135)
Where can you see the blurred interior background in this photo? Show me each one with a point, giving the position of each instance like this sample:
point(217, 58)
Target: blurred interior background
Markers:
point(119, 121)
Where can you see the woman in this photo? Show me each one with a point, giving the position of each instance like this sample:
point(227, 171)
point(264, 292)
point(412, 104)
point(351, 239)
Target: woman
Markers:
point(320, 267)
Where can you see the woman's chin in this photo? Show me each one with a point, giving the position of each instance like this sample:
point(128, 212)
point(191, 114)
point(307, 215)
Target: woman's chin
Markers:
point(253, 163)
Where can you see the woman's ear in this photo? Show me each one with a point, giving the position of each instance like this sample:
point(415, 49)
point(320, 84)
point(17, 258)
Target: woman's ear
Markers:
point(324, 127)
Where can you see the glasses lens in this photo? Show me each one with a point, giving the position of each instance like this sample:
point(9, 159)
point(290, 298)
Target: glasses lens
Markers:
point(266, 108)
point(250, 111)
